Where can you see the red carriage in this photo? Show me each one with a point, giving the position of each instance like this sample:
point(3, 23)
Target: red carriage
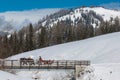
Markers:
point(41, 61)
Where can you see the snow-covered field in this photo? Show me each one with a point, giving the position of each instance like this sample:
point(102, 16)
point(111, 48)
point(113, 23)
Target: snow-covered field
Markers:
point(103, 51)
point(8, 76)
point(106, 71)
point(99, 72)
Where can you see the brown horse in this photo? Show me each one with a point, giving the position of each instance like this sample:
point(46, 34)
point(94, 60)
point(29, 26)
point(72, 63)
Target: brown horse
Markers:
point(27, 61)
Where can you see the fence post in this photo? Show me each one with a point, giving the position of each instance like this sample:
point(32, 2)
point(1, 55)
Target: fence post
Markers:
point(66, 65)
point(11, 64)
point(20, 64)
point(29, 65)
point(57, 64)
point(38, 66)
point(2, 64)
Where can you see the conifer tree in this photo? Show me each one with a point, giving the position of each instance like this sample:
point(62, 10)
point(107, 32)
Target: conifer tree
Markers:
point(30, 36)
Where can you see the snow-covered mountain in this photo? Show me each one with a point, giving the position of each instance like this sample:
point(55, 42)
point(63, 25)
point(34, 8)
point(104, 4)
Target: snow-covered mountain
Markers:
point(89, 15)
point(15, 20)
point(107, 14)
point(103, 51)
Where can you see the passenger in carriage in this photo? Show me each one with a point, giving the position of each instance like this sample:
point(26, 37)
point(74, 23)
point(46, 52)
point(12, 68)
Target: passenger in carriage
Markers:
point(45, 61)
point(40, 58)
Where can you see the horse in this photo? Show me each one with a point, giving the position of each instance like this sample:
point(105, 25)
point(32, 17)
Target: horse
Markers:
point(27, 61)
point(31, 61)
point(23, 61)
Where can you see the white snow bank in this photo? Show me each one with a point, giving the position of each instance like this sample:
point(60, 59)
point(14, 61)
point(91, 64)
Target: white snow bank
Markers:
point(96, 72)
point(46, 74)
point(107, 71)
point(9, 76)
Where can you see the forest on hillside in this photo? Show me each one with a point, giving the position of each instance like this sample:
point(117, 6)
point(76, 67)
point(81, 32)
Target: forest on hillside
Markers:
point(37, 36)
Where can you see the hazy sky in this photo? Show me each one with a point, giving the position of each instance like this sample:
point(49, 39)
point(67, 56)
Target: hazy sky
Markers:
point(13, 5)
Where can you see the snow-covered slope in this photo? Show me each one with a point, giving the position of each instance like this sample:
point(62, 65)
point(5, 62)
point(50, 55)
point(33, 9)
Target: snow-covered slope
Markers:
point(8, 76)
point(106, 72)
point(101, 49)
point(97, 72)
point(105, 13)
point(46, 74)
point(88, 13)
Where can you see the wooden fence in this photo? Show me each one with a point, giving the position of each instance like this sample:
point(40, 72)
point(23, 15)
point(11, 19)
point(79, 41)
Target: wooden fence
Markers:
point(57, 64)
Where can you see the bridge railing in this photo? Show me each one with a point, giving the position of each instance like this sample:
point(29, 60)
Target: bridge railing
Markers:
point(57, 64)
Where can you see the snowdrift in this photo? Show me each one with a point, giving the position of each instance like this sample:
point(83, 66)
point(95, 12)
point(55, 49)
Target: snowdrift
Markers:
point(9, 76)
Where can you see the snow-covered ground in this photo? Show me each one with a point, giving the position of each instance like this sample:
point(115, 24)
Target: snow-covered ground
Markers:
point(98, 72)
point(47, 74)
point(8, 76)
point(106, 71)
point(103, 51)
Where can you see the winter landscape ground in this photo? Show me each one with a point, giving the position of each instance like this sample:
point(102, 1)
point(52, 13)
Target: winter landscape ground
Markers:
point(103, 51)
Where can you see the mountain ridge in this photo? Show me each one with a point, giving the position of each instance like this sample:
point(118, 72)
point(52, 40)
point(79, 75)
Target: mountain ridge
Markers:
point(98, 14)
point(49, 17)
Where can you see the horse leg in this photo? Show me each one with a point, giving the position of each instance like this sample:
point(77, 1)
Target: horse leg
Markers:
point(26, 62)
point(33, 62)
point(23, 62)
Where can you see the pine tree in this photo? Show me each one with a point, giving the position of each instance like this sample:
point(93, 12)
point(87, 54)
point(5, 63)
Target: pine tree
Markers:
point(21, 41)
point(15, 43)
point(26, 43)
point(30, 36)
